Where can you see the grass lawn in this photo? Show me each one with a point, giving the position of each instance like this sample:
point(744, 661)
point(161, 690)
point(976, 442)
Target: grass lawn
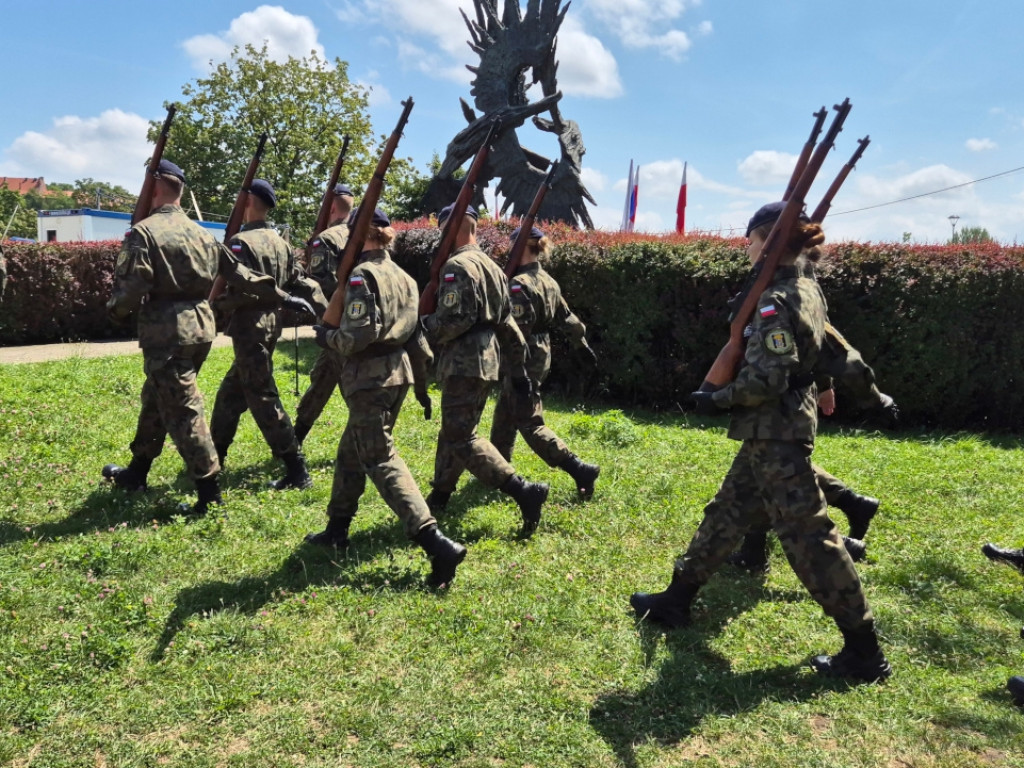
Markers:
point(132, 637)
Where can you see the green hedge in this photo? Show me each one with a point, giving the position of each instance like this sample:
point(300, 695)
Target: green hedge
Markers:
point(936, 322)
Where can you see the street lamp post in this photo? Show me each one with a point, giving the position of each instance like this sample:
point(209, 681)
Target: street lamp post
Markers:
point(953, 219)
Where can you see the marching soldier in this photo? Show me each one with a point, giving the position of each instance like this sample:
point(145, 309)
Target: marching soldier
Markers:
point(378, 324)
point(254, 328)
point(471, 328)
point(538, 307)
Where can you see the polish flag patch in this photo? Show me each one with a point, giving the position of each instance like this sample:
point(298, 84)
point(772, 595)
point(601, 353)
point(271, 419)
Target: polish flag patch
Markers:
point(516, 288)
point(356, 280)
point(450, 277)
point(236, 247)
point(769, 311)
point(316, 243)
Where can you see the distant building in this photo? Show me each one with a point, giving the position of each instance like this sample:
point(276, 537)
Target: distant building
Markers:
point(85, 224)
point(24, 186)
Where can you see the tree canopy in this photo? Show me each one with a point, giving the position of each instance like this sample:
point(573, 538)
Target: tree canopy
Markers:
point(970, 235)
point(304, 105)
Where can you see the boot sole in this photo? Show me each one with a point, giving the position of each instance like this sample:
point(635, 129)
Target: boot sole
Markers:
point(996, 556)
point(437, 581)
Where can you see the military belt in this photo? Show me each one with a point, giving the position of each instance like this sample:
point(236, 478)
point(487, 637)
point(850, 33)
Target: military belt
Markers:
point(375, 350)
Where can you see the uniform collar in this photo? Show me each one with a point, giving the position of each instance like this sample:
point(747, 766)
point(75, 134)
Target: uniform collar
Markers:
point(262, 224)
point(378, 254)
point(533, 267)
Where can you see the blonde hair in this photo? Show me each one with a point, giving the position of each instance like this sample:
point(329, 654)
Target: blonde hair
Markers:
point(540, 246)
point(384, 235)
point(806, 236)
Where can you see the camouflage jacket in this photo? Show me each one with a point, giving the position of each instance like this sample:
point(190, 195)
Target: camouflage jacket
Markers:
point(3, 273)
point(473, 323)
point(165, 269)
point(327, 249)
point(538, 308)
point(264, 252)
point(773, 396)
point(379, 320)
point(842, 362)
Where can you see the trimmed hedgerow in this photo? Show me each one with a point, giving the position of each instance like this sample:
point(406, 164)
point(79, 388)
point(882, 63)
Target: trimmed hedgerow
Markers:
point(936, 322)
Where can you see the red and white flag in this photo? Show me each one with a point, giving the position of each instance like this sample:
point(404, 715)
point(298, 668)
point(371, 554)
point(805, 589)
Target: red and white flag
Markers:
point(681, 205)
point(629, 197)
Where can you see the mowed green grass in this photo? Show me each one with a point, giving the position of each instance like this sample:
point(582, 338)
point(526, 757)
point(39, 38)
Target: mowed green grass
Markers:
point(132, 637)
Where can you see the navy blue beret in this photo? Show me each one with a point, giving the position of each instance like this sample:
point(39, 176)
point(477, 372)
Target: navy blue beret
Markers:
point(379, 219)
point(167, 168)
point(767, 214)
point(342, 189)
point(535, 234)
point(442, 217)
point(262, 189)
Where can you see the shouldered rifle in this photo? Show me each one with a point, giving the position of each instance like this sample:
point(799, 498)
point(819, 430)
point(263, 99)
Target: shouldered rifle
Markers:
point(723, 370)
point(450, 230)
point(826, 202)
point(238, 211)
point(323, 217)
point(357, 237)
point(526, 223)
point(145, 202)
point(805, 153)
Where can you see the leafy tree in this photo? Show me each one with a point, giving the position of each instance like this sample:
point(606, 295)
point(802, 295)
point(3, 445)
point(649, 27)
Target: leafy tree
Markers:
point(14, 211)
point(89, 193)
point(304, 105)
point(970, 235)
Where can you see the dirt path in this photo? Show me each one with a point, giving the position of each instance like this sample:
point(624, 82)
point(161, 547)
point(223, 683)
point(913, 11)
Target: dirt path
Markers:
point(41, 353)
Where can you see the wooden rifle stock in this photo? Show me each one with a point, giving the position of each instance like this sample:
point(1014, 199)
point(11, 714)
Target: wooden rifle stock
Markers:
point(145, 202)
point(357, 237)
point(805, 153)
point(238, 211)
point(450, 230)
point(826, 202)
point(723, 370)
point(526, 223)
point(324, 215)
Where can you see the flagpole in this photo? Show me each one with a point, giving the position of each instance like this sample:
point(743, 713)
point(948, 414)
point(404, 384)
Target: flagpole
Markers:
point(629, 197)
point(681, 205)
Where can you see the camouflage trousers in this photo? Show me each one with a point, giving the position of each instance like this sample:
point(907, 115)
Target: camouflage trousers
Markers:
point(772, 481)
point(249, 385)
point(173, 405)
point(367, 449)
point(323, 379)
point(515, 413)
point(459, 447)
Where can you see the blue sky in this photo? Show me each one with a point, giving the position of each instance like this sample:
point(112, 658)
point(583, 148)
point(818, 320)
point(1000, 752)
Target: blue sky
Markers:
point(728, 87)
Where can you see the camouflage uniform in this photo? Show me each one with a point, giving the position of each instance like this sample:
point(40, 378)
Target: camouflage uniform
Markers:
point(378, 323)
point(254, 328)
point(472, 325)
point(167, 265)
point(771, 479)
point(3, 273)
point(537, 307)
point(328, 248)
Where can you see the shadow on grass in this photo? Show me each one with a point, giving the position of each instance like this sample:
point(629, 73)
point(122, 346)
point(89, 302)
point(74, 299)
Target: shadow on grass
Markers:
point(696, 681)
point(307, 566)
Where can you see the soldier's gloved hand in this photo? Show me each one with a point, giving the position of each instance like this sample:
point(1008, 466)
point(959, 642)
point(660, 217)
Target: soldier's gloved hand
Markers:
point(321, 332)
point(298, 305)
point(890, 412)
point(521, 383)
point(704, 404)
point(589, 355)
point(424, 399)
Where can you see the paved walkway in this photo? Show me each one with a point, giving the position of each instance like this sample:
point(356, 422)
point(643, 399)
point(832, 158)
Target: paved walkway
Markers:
point(43, 352)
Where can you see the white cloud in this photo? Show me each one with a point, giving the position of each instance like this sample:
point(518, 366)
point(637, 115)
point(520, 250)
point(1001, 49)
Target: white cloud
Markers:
point(585, 66)
point(593, 180)
point(980, 145)
point(767, 167)
point(285, 34)
point(379, 95)
point(111, 147)
point(647, 24)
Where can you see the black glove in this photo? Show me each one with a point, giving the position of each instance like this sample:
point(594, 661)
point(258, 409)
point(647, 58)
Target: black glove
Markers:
point(588, 355)
point(424, 399)
point(704, 404)
point(890, 412)
point(521, 383)
point(298, 305)
point(321, 332)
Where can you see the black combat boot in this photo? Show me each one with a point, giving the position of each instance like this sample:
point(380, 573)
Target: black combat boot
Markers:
point(132, 477)
point(585, 475)
point(753, 553)
point(301, 430)
point(1014, 557)
point(670, 608)
point(445, 555)
point(860, 658)
point(856, 548)
point(437, 501)
point(859, 510)
point(208, 489)
point(222, 453)
point(334, 535)
point(530, 497)
point(296, 473)
point(1015, 685)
